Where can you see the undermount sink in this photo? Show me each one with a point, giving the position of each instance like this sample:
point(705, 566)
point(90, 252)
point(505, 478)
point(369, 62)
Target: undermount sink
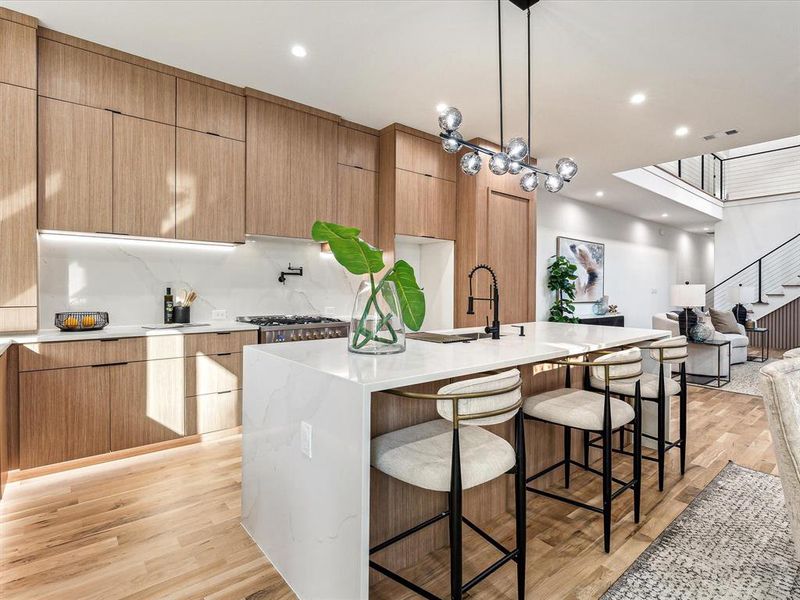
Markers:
point(476, 336)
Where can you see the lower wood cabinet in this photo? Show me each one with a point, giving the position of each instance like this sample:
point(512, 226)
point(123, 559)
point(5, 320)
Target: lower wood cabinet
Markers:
point(147, 402)
point(63, 415)
point(213, 412)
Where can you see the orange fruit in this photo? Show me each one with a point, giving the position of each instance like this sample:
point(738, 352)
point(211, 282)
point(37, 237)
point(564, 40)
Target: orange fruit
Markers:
point(70, 322)
point(88, 321)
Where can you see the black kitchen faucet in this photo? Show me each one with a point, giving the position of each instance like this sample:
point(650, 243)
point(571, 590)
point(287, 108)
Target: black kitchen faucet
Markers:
point(494, 301)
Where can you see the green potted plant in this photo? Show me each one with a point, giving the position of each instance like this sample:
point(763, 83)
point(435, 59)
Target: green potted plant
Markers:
point(381, 310)
point(561, 276)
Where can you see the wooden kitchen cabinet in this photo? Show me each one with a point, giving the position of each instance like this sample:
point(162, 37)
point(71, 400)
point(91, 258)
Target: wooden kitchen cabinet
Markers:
point(17, 54)
point(358, 149)
point(210, 110)
point(291, 169)
point(423, 156)
point(222, 342)
point(146, 402)
point(91, 79)
point(18, 250)
point(75, 167)
point(144, 178)
point(425, 206)
point(356, 201)
point(212, 374)
point(210, 187)
point(213, 412)
point(63, 415)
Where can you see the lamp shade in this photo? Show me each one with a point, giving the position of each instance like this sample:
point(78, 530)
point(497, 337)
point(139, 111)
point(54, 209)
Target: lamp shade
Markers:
point(685, 294)
point(742, 294)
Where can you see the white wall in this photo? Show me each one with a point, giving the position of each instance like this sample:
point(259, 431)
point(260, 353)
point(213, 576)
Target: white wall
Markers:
point(127, 278)
point(749, 230)
point(434, 266)
point(642, 258)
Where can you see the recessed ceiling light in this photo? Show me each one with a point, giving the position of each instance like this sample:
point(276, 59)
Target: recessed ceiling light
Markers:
point(664, 215)
point(299, 51)
point(638, 98)
point(441, 106)
point(599, 193)
point(682, 131)
point(706, 228)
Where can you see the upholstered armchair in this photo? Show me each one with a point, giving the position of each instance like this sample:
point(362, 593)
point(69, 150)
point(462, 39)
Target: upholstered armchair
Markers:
point(793, 353)
point(780, 385)
point(703, 359)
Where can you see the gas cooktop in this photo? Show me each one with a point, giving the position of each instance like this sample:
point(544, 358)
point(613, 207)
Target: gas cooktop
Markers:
point(283, 320)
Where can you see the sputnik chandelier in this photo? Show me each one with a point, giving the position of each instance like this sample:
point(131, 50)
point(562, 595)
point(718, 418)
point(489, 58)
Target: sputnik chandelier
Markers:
point(512, 158)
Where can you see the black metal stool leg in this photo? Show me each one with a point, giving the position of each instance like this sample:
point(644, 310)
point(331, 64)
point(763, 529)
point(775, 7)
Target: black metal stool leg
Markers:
point(607, 473)
point(683, 402)
point(455, 520)
point(567, 454)
point(637, 454)
point(662, 428)
point(521, 505)
point(585, 449)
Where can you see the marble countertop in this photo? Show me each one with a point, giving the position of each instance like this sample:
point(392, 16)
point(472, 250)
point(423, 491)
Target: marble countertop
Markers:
point(117, 331)
point(424, 361)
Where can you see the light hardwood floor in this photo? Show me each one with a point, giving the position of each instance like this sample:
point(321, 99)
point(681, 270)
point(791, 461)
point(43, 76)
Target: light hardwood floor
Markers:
point(166, 525)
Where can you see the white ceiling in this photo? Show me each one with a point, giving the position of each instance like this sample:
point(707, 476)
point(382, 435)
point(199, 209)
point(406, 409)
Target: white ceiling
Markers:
point(709, 65)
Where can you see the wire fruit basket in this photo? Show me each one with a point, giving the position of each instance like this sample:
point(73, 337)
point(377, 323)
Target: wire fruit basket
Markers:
point(81, 321)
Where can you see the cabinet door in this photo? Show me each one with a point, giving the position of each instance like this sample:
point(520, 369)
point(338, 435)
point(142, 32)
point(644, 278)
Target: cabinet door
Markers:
point(210, 187)
point(91, 79)
point(356, 201)
point(358, 149)
point(291, 170)
point(63, 415)
point(209, 110)
point(18, 261)
point(212, 374)
point(144, 177)
point(423, 156)
point(424, 206)
point(213, 412)
point(17, 54)
point(147, 402)
point(74, 167)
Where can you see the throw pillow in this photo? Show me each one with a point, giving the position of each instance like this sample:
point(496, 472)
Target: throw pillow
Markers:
point(724, 321)
point(672, 316)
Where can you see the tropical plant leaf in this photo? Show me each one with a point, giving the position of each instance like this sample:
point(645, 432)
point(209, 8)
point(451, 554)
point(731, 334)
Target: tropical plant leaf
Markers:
point(411, 297)
point(353, 253)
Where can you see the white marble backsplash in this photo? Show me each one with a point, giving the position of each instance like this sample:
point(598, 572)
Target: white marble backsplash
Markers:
point(128, 278)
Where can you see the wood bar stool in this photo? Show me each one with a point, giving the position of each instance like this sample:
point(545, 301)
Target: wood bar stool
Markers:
point(590, 411)
point(453, 454)
point(659, 389)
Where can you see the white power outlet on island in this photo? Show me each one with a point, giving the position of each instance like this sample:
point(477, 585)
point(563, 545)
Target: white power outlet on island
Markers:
point(305, 438)
point(219, 315)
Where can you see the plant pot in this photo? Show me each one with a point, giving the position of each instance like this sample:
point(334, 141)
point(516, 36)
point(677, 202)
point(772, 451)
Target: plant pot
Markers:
point(376, 326)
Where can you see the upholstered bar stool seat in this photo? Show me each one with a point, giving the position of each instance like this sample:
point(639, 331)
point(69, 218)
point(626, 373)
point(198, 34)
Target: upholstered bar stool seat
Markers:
point(793, 353)
point(649, 383)
point(420, 455)
point(576, 408)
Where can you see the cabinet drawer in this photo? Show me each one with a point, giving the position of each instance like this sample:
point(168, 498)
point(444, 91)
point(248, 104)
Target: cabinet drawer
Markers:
point(213, 412)
point(211, 374)
point(218, 343)
point(423, 156)
point(57, 355)
point(209, 110)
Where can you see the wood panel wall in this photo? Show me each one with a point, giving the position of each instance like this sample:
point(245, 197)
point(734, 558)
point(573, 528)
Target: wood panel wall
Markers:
point(784, 327)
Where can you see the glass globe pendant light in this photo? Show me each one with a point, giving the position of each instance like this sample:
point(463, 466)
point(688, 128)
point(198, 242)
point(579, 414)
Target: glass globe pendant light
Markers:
point(566, 168)
point(499, 163)
point(553, 183)
point(471, 163)
point(529, 181)
point(452, 144)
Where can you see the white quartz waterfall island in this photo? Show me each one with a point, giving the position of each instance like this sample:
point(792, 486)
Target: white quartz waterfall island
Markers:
point(306, 439)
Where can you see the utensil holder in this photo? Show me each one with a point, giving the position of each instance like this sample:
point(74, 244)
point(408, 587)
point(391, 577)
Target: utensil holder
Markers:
point(181, 314)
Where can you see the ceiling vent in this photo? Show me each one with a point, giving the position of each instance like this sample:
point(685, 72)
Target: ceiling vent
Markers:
point(713, 136)
point(732, 132)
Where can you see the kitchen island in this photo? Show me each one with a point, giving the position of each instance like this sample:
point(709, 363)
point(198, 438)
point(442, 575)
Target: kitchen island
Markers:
point(310, 410)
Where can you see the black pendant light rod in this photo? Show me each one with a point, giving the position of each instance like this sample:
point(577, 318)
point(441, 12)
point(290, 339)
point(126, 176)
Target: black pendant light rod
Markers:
point(530, 150)
point(500, 64)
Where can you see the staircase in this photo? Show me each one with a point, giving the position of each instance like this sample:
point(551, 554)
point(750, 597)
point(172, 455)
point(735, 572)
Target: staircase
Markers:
point(774, 278)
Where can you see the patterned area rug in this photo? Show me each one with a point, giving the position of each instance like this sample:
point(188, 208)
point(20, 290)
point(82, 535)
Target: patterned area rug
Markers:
point(732, 541)
point(744, 378)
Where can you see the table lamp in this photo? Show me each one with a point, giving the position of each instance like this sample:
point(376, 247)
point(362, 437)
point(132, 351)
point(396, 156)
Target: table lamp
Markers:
point(687, 296)
point(741, 295)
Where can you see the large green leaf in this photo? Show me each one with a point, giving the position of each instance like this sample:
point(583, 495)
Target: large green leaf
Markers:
point(412, 299)
point(353, 253)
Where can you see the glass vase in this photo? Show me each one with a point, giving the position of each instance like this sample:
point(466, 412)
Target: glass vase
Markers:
point(376, 326)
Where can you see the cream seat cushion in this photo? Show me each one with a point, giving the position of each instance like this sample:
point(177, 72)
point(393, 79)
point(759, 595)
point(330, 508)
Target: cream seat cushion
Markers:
point(649, 386)
point(793, 353)
point(422, 454)
point(577, 408)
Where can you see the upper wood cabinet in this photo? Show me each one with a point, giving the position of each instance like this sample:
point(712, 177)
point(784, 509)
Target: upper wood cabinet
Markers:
point(426, 206)
point(74, 167)
point(210, 187)
point(144, 178)
point(356, 201)
point(291, 169)
point(18, 254)
point(423, 156)
point(17, 54)
point(358, 149)
point(209, 110)
point(91, 79)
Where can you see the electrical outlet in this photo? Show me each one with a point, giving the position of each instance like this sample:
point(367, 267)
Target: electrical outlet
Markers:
point(305, 438)
point(219, 315)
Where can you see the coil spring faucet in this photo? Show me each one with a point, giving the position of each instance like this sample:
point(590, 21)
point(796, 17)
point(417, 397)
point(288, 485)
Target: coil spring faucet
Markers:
point(494, 301)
